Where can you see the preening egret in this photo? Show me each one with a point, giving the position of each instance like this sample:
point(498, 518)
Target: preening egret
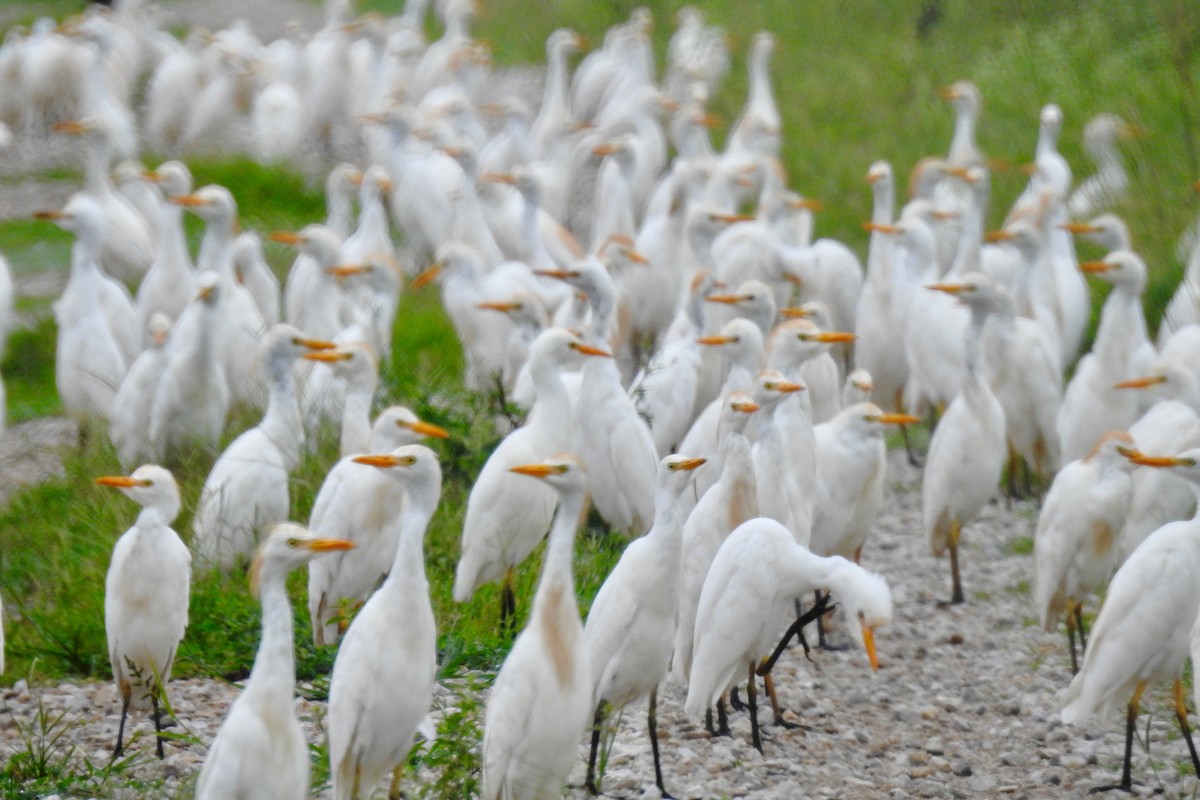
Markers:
point(146, 594)
point(260, 749)
point(627, 628)
point(382, 683)
point(1143, 631)
point(542, 697)
point(758, 569)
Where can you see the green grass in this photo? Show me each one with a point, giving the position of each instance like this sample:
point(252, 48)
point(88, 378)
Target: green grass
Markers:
point(855, 83)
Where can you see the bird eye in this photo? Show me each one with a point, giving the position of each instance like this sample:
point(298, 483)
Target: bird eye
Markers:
point(410, 460)
point(771, 386)
point(293, 542)
point(862, 617)
point(1191, 462)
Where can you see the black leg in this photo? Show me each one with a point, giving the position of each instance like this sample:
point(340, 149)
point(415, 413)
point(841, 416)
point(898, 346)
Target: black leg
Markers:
point(1079, 625)
point(1126, 784)
point(796, 629)
point(955, 534)
point(508, 607)
point(652, 722)
point(722, 719)
point(597, 722)
point(735, 701)
point(120, 748)
point(752, 698)
point(820, 620)
point(1181, 715)
point(708, 722)
point(158, 740)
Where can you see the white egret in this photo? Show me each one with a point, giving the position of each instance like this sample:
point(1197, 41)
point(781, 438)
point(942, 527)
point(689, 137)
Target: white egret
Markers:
point(634, 609)
point(542, 697)
point(758, 569)
point(146, 594)
point(1075, 550)
point(967, 450)
point(391, 646)
point(260, 749)
point(247, 489)
point(1142, 633)
point(128, 428)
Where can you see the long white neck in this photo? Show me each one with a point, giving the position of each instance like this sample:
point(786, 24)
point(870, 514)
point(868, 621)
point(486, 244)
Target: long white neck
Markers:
point(274, 671)
point(356, 419)
point(802, 571)
point(408, 567)
point(172, 245)
point(216, 250)
point(962, 146)
point(282, 423)
point(557, 581)
point(551, 402)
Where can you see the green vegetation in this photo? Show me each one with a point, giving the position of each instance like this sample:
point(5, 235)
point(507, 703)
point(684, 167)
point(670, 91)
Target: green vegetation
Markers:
point(855, 81)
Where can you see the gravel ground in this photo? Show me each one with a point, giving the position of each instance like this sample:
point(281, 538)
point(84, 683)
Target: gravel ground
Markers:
point(964, 705)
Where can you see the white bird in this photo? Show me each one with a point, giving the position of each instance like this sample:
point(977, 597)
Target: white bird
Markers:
point(732, 500)
point(260, 750)
point(255, 274)
point(507, 516)
point(170, 283)
point(879, 349)
point(758, 570)
point(1075, 550)
point(967, 450)
point(542, 697)
point(858, 388)
point(192, 398)
point(128, 428)
point(1091, 405)
point(362, 506)
point(339, 193)
point(638, 603)
point(1142, 633)
point(1108, 186)
point(354, 365)
point(146, 595)
point(382, 683)
point(851, 467)
point(247, 489)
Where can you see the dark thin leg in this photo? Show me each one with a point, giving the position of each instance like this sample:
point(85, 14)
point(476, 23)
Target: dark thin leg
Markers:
point(820, 620)
point(797, 630)
point(708, 722)
point(1181, 715)
point(898, 406)
point(158, 740)
point(1126, 784)
point(1079, 626)
point(1012, 478)
point(722, 719)
point(120, 748)
point(752, 698)
point(776, 709)
point(735, 702)
point(597, 722)
point(955, 533)
point(652, 723)
point(508, 607)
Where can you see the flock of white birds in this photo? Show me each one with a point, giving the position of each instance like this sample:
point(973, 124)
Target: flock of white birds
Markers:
point(718, 384)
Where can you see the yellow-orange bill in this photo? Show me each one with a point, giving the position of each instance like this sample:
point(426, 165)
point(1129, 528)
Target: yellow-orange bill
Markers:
point(329, 545)
point(534, 470)
point(428, 276)
point(1141, 383)
point(121, 481)
point(588, 350)
point(690, 464)
point(898, 419)
point(1093, 267)
point(382, 462)
point(869, 644)
point(429, 429)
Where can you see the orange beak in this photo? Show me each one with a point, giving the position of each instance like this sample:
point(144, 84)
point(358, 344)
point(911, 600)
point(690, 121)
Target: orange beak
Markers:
point(690, 464)
point(428, 276)
point(187, 200)
point(714, 341)
point(382, 462)
point(605, 149)
point(997, 236)
point(49, 215)
point(897, 419)
point(588, 350)
point(1160, 462)
point(72, 126)
point(880, 228)
point(829, 337)
point(328, 356)
point(795, 312)
point(805, 204)
point(120, 481)
point(729, 219)
point(746, 408)
point(1093, 267)
point(286, 237)
point(346, 270)
point(533, 470)
point(869, 644)
point(427, 429)
point(500, 177)
point(561, 274)
point(329, 545)
point(637, 258)
point(504, 307)
point(948, 288)
point(728, 299)
point(1141, 383)
point(1078, 227)
point(788, 388)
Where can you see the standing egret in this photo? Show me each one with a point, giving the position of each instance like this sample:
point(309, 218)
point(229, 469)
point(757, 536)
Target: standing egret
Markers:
point(362, 506)
point(1075, 549)
point(637, 604)
point(542, 697)
point(247, 489)
point(260, 750)
point(507, 516)
point(391, 645)
point(1142, 633)
point(967, 450)
point(146, 594)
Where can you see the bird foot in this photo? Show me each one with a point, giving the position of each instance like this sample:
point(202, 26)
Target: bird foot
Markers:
point(833, 648)
point(1111, 787)
point(735, 701)
point(790, 726)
